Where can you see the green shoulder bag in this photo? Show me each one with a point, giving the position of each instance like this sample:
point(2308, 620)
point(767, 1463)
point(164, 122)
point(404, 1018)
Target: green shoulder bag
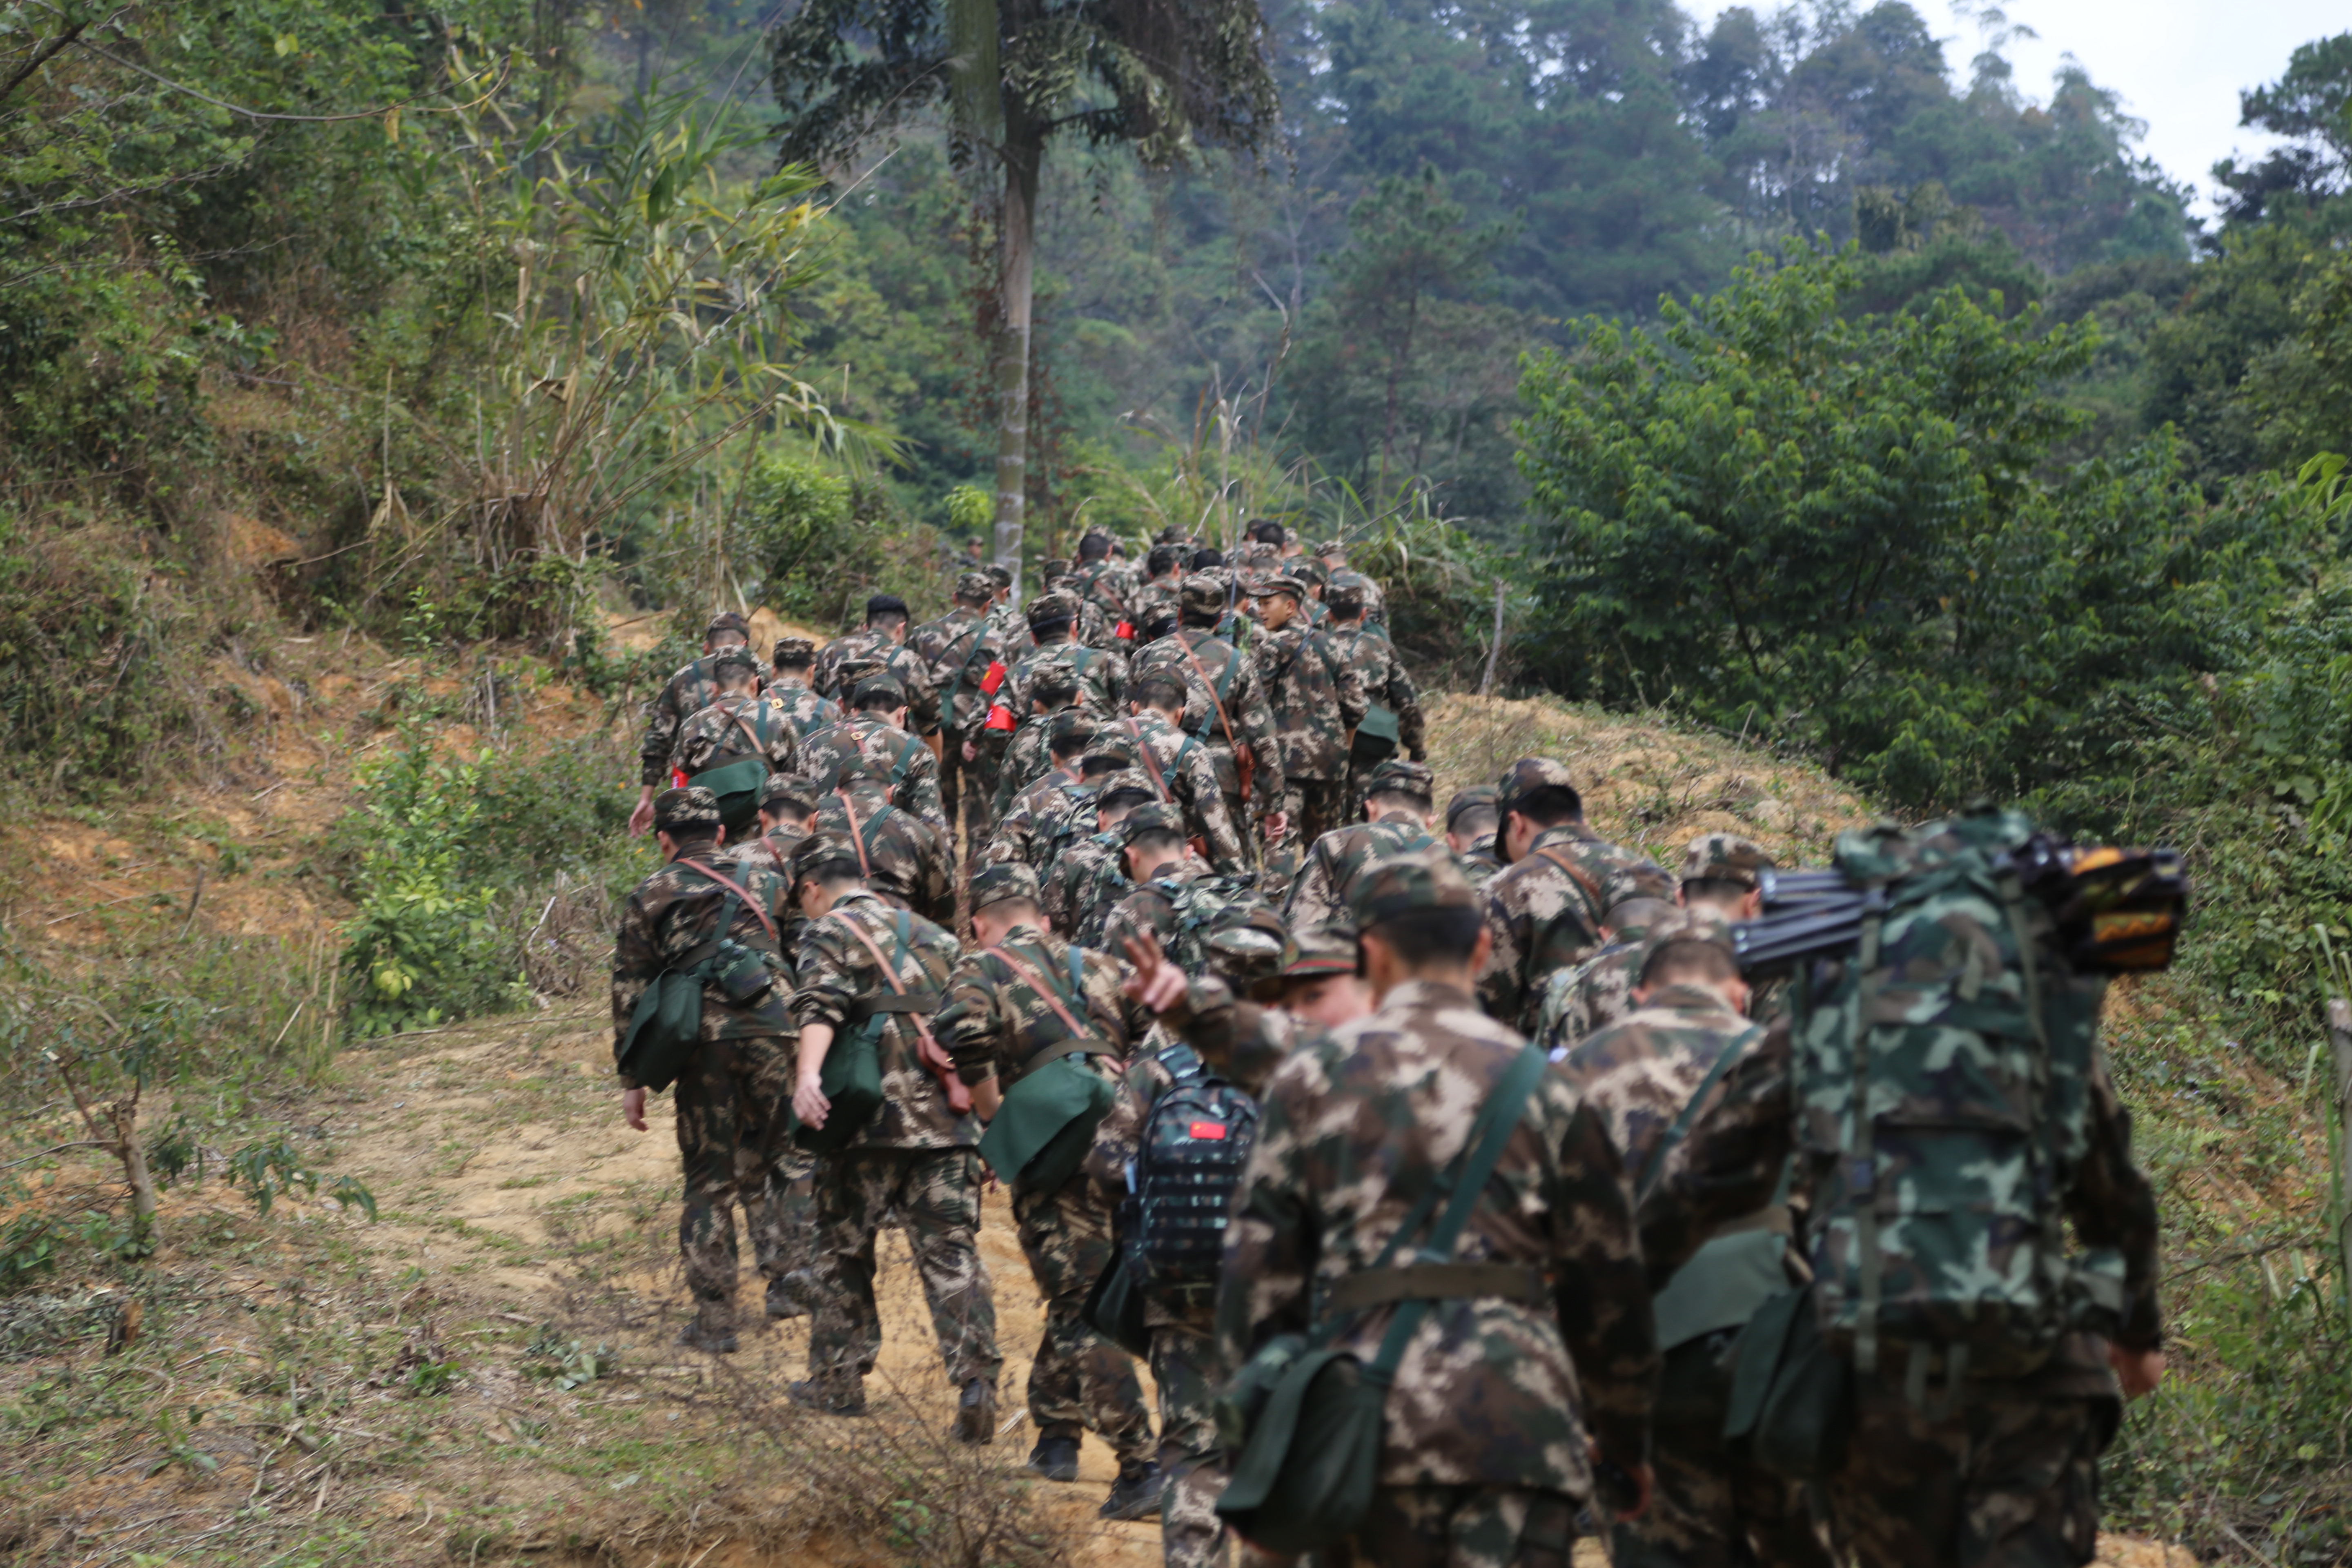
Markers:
point(1041, 1133)
point(665, 1026)
point(1306, 1416)
point(852, 1074)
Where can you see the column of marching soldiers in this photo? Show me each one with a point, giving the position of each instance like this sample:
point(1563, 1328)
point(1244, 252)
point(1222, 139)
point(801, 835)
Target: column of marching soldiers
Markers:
point(1243, 1021)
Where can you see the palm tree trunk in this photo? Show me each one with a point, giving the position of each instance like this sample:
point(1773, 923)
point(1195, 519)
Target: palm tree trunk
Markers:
point(1017, 234)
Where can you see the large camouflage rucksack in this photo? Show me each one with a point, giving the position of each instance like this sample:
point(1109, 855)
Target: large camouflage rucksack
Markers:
point(1187, 1165)
point(1206, 907)
point(1942, 1085)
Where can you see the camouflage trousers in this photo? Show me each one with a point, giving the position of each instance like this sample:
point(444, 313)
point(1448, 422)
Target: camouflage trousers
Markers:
point(968, 792)
point(1460, 1527)
point(1707, 1508)
point(935, 1194)
point(1191, 1533)
point(731, 1127)
point(1079, 1379)
point(2009, 1480)
point(1315, 806)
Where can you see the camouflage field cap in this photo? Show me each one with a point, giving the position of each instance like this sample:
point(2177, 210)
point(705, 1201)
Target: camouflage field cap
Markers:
point(1055, 605)
point(1124, 790)
point(727, 621)
point(995, 884)
point(1331, 547)
point(1156, 818)
point(821, 852)
point(795, 651)
point(1311, 570)
point(1685, 925)
point(735, 661)
point(1071, 723)
point(1202, 594)
point(1419, 883)
point(1345, 597)
point(1248, 957)
point(1277, 582)
point(795, 794)
point(880, 685)
point(1477, 798)
point(856, 668)
point(855, 768)
point(1526, 776)
point(974, 585)
point(1725, 857)
point(693, 808)
point(1115, 741)
point(1318, 952)
point(1396, 775)
point(998, 575)
point(1634, 916)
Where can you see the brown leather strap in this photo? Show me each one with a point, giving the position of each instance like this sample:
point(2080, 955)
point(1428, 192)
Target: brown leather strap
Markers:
point(1211, 688)
point(936, 1060)
point(856, 837)
point(1438, 1281)
point(1151, 762)
point(735, 888)
point(759, 747)
point(1583, 878)
point(1045, 993)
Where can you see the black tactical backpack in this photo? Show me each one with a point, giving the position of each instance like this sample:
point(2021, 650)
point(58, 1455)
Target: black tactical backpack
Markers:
point(1187, 1165)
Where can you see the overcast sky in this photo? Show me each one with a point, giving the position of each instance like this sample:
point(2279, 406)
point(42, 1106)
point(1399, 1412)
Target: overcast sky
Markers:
point(2179, 64)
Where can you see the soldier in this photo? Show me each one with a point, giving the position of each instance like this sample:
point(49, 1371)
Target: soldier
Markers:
point(1398, 805)
point(1026, 758)
point(918, 1159)
point(883, 641)
point(1318, 700)
point(1100, 580)
point(963, 662)
point(1011, 1001)
point(1334, 555)
point(740, 723)
point(1544, 910)
point(1177, 900)
point(688, 692)
point(1181, 770)
point(1381, 674)
point(1598, 990)
point(1485, 1458)
point(1470, 825)
point(1711, 1509)
point(1091, 624)
point(1100, 673)
point(876, 730)
point(907, 860)
point(731, 1095)
point(788, 683)
point(1088, 879)
point(1224, 706)
point(1039, 812)
point(787, 815)
point(1155, 600)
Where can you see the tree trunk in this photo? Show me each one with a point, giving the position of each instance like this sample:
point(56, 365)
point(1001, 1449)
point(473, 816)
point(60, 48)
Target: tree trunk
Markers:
point(1024, 147)
point(134, 1169)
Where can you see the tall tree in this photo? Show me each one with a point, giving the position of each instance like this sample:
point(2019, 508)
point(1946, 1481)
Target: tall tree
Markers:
point(1163, 76)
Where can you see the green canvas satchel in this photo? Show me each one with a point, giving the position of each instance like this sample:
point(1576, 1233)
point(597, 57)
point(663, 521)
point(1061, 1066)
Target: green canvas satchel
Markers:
point(1376, 737)
point(737, 785)
point(852, 1074)
point(1041, 1133)
point(1308, 1416)
point(665, 1030)
point(1114, 1307)
point(1792, 1391)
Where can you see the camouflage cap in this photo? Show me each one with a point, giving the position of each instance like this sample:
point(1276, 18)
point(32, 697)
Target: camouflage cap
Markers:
point(974, 585)
point(820, 851)
point(1248, 957)
point(1331, 547)
point(1685, 925)
point(1477, 798)
point(1156, 818)
point(1277, 582)
point(1395, 775)
point(1071, 723)
point(856, 668)
point(1526, 776)
point(995, 884)
point(855, 768)
point(1055, 605)
point(727, 621)
point(1418, 883)
point(693, 807)
point(1115, 741)
point(1308, 570)
point(1124, 791)
point(738, 659)
point(1725, 857)
point(880, 685)
point(790, 791)
point(1317, 953)
point(999, 575)
point(1202, 594)
point(1634, 916)
point(795, 650)
point(1345, 598)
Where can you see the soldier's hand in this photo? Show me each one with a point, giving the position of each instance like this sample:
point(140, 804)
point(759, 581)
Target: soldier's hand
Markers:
point(1277, 823)
point(1156, 983)
point(633, 1108)
point(809, 1102)
point(642, 817)
point(970, 752)
point(2138, 1371)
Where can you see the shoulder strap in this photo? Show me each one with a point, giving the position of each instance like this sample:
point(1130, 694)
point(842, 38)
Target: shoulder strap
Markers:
point(1655, 1165)
point(1580, 877)
point(759, 743)
point(1043, 989)
point(1216, 691)
point(857, 834)
point(1151, 762)
point(730, 883)
point(1183, 1062)
point(903, 759)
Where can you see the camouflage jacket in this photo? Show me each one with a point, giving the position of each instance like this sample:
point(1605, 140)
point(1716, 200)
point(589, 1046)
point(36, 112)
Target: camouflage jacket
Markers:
point(768, 875)
point(1590, 994)
point(1013, 642)
point(1100, 675)
point(1489, 1392)
point(958, 650)
point(1107, 585)
point(847, 660)
point(1027, 757)
point(1151, 603)
point(1319, 895)
point(994, 1022)
point(1381, 674)
point(1096, 628)
point(913, 771)
point(838, 979)
point(1317, 697)
point(1038, 818)
point(1481, 861)
point(1180, 767)
point(1242, 703)
point(673, 914)
point(1544, 914)
point(910, 862)
point(809, 711)
point(1077, 890)
point(687, 692)
point(727, 731)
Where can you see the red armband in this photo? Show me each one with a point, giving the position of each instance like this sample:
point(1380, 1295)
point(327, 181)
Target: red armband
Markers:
point(999, 718)
point(1124, 631)
point(677, 778)
point(993, 678)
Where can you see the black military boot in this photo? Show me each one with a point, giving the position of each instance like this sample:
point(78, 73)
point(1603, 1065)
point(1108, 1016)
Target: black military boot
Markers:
point(813, 1395)
point(1136, 1494)
point(713, 1328)
point(1055, 1458)
point(976, 1420)
point(786, 1298)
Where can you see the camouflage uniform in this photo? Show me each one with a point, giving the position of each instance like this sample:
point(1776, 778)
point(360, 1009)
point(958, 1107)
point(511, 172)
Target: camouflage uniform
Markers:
point(916, 1159)
point(1154, 602)
point(728, 730)
point(1485, 1456)
point(1320, 895)
point(693, 688)
point(1028, 756)
point(908, 861)
point(993, 1024)
point(1243, 705)
point(809, 712)
point(766, 862)
point(1105, 585)
point(902, 760)
point(1318, 700)
point(871, 651)
point(959, 651)
point(731, 1100)
point(1040, 817)
point(1481, 860)
point(1100, 674)
point(1074, 889)
point(1599, 989)
point(1381, 674)
point(1182, 773)
point(1545, 912)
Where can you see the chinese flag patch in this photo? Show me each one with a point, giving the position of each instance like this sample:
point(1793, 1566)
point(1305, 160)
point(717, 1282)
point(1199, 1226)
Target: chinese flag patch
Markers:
point(1207, 1129)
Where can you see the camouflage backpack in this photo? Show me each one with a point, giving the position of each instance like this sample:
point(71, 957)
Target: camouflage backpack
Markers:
point(1206, 907)
point(1180, 1184)
point(1942, 1091)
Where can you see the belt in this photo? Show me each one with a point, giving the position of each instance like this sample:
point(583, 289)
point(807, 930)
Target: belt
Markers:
point(864, 1007)
point(1438, 1281)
